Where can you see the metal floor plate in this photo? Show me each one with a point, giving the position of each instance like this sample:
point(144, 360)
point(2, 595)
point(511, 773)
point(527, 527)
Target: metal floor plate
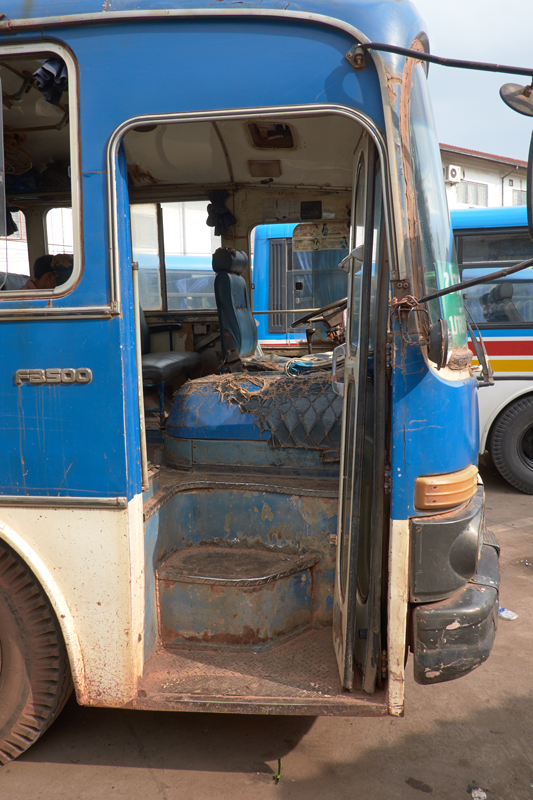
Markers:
point(299, 676)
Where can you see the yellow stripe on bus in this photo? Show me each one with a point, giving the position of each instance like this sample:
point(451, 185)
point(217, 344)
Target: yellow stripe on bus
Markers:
point(508, 365)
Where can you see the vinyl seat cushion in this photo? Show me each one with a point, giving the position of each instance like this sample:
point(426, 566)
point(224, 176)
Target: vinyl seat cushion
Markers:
point(162, 366)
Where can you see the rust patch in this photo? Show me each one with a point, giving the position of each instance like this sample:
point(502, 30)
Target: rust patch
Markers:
point(247, 637)
point(413, 232)
point(391, 80)
point(461, 358)
point(140, 175)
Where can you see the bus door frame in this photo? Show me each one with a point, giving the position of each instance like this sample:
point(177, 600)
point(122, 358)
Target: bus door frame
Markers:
point(353, 620)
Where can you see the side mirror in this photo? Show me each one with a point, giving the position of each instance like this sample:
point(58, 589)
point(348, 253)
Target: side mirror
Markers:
point(520, 98)
point(356, 253)
point(440, 343)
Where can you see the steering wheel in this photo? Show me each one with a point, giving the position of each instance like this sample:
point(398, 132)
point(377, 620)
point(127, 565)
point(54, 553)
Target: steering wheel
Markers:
point(321, 314)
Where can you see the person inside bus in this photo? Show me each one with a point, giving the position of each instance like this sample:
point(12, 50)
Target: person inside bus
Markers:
point(50, 271)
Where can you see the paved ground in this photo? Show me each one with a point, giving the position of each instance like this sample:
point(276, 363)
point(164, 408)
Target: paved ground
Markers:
point(476, 732)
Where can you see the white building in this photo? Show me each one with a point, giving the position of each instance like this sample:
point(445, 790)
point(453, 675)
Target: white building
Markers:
point(482, 179)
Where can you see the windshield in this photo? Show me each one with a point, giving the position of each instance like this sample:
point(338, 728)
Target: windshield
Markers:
point(434, 240)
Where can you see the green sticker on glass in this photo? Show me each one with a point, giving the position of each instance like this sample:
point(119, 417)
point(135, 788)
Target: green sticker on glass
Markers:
point(451, 305)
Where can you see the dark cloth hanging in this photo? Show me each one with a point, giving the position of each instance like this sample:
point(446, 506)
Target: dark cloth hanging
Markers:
point(11, 225)
point(52, 80)
point(218, 216)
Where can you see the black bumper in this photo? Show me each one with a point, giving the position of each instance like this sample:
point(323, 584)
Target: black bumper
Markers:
point(454, 636)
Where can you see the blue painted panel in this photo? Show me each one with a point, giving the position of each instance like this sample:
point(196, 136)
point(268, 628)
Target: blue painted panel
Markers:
point(504, 217)
point(201, 453)
point(248, 516)
point(203, 414)
point(435, 426)
point(129, 366)
point(63, 439)
point(226, 616)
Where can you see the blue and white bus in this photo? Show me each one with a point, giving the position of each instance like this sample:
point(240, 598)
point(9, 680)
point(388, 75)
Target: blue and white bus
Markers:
point(488, 239)
point(292, 536)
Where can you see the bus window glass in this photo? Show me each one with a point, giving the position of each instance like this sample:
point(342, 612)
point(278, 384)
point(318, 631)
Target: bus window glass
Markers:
point(359, 239)
point(496, 247)
point(359, 234)
point(434, 241)
point(505, 302)
point(375, 257)
point(144, 242)
point(189, 246)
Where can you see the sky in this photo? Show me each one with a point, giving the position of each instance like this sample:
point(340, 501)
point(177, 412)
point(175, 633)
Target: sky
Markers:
point(467, 105)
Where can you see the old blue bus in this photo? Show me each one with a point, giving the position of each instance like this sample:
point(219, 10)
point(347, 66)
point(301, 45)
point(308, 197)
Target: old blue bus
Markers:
point(283, 539)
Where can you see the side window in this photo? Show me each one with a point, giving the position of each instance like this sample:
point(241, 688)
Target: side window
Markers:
point(59, 233)
point(36, 220)
point(506, 302)
point(173, 247)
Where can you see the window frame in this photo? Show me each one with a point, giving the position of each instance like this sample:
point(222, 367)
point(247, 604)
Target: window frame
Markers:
point(523, 196)
point(477, 184)
point(34, 49)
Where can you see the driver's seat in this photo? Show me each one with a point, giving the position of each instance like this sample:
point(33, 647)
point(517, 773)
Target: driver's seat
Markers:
point(238, 331)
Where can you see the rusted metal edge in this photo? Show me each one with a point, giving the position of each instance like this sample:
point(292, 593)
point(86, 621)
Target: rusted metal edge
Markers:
point(28, 314)
point(298, 564)
point(335, 706)
point(63, 502)
point(10, 25)
point(161, 497)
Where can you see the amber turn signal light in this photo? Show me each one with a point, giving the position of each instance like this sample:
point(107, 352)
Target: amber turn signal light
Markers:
point(444, 491)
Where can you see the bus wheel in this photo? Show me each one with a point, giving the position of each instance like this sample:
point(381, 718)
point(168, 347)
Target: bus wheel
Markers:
point(511, 445)
point(35, 679)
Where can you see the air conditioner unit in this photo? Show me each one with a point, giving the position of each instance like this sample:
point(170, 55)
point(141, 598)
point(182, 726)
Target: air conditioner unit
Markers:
point(453, 174)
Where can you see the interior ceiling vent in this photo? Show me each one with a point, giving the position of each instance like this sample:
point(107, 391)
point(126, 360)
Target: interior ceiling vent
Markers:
point(271, 135)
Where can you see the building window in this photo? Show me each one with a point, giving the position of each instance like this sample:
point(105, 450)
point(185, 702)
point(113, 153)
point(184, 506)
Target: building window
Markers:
point(473, 194)
point(519, 198)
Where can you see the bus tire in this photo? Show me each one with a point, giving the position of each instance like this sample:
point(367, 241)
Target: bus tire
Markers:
point(511, 444)
point(35, 679)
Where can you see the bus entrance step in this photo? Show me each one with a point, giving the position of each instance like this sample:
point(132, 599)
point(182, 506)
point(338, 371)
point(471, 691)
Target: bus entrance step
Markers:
point(297, 676)
point(234, 596)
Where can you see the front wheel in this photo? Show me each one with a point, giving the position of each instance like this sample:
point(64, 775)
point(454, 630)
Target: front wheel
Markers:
point(35, 677)
point(511, 444)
